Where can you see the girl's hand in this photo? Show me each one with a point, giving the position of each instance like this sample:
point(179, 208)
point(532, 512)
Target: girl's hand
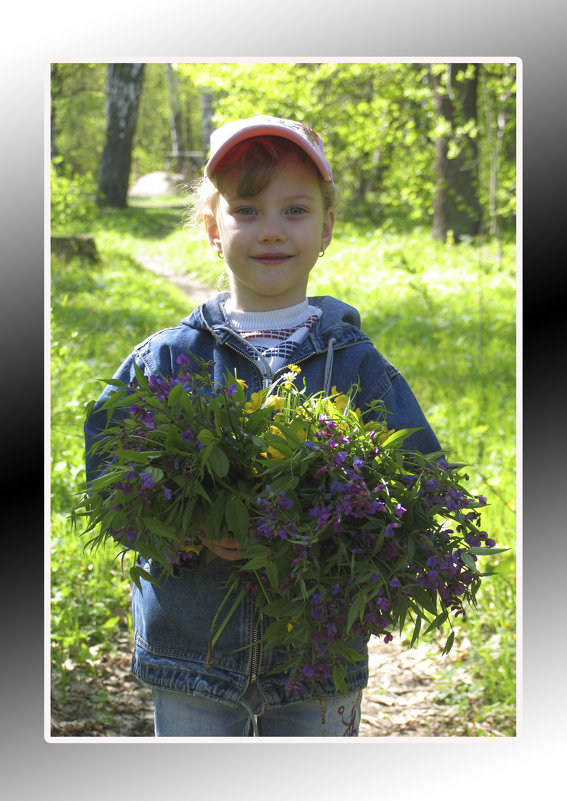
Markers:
point(225, 548)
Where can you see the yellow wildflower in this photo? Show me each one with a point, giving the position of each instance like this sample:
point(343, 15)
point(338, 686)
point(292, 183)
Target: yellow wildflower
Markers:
point(294, 368)
point(383, 437)
point(254, 403)
point(274, 402)
point(340, 400)
point(274, 453)
point(192, 548)
point(294, 622)
point(241, 383)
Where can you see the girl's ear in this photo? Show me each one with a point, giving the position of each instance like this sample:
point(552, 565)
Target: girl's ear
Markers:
point(213, 234)
point(327, 232)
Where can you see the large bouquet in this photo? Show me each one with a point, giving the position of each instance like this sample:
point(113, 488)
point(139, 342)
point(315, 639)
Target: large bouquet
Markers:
point(344, 533)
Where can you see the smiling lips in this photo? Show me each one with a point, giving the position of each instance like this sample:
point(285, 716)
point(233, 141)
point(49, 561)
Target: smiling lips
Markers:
point(271, 258)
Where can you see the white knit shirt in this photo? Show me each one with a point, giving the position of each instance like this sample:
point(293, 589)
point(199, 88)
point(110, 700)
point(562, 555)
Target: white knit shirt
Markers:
point(274, 334)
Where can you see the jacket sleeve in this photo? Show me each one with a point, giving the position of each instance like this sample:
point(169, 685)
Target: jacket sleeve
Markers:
point(380, 380)
point(97, 421)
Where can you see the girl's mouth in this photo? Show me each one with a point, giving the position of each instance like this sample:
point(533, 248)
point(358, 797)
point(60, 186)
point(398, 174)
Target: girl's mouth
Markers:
point(271, 258)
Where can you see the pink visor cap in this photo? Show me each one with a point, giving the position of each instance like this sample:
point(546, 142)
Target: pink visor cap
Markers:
point(231, 134)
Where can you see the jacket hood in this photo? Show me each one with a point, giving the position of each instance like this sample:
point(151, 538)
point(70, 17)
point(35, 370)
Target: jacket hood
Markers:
point(336, 313)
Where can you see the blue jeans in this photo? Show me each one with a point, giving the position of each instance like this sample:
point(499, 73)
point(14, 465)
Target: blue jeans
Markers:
point(181, 715)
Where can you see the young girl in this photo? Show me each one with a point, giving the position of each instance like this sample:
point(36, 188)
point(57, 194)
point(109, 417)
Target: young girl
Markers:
point(267, 205)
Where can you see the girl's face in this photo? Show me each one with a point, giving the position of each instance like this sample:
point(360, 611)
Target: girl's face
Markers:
point(271, 241)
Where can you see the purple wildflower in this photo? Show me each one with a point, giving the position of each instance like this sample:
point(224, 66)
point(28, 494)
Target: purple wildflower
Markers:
point(147, 480)
point(400, 510)
point(389, 530)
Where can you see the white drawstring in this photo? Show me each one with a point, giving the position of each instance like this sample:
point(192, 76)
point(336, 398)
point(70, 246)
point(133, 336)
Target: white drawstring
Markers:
point(251, 718)
point(329, 367)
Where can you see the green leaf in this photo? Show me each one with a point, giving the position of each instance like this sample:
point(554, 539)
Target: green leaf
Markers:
point(426, 599)
point(133, 456)
point(416, 631)
point(469, 562)
point(206, 436)
point(110, 623)
point(256, 563)
point(438, 622)
point(142, 380)
point(157, 528)
point(237, 517)
point(356, 609)
point(175, 396)
point(213, 517)
point(218, 461)
point(221, 628)
point(449, 643)
point(403, 610)
point(137, 573)
point(399, 436)
point(115, 382)
point(156, 473)
point(188, 514)
point(352, 655)
point(283, 484)
point(272, 571)
point(339, 676)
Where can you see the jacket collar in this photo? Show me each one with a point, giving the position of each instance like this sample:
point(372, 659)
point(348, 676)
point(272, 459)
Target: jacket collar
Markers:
point(339, 321)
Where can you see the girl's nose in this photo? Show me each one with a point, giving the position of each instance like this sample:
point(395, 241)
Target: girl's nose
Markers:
point(271, 229)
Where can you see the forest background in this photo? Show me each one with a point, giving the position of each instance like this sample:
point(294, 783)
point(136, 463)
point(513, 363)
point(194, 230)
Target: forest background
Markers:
point(424, 156)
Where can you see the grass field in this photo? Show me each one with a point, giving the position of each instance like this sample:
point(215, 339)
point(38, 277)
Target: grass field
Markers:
point(443, 314)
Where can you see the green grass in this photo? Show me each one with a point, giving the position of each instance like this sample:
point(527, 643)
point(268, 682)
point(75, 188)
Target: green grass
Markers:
point(444, 315)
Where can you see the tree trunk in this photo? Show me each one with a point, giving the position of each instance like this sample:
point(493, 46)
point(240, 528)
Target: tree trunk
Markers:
point(55, 92)
point(207, 114)
point(177, 144)
point(456, 205)
point(124, 84)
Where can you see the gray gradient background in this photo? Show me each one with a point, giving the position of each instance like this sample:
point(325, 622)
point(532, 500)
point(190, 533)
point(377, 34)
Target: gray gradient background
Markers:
point(488, 768)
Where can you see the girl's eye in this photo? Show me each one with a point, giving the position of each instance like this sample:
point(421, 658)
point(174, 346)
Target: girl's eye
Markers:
point(295, 210)
point(245, 211)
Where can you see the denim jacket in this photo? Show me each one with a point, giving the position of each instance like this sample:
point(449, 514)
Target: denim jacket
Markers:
point(172, 622)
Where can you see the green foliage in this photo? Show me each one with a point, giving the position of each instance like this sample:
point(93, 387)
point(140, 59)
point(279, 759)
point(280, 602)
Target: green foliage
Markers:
point(378, 121)
point(73, 206)
point(78, 109)
point(379, 125)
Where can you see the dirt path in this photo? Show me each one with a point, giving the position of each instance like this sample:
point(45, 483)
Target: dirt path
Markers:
point(196, 291)
point(400, 700)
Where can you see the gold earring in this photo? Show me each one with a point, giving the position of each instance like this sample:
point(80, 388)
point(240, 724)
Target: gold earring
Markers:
point(322, 253)
point(219, 254)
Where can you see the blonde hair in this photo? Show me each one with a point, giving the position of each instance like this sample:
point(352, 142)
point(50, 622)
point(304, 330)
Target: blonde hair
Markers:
point(256, 160)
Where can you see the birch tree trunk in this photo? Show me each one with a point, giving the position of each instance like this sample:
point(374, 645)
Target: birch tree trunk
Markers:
point(124, 84)
point(175, 116)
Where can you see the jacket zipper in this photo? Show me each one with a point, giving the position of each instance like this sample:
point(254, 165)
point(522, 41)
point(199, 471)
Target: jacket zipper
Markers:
point(269, 377)
point(265, 380)
point(255, 651)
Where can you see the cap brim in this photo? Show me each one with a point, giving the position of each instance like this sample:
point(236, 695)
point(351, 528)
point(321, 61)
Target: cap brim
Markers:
point(266, 129)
